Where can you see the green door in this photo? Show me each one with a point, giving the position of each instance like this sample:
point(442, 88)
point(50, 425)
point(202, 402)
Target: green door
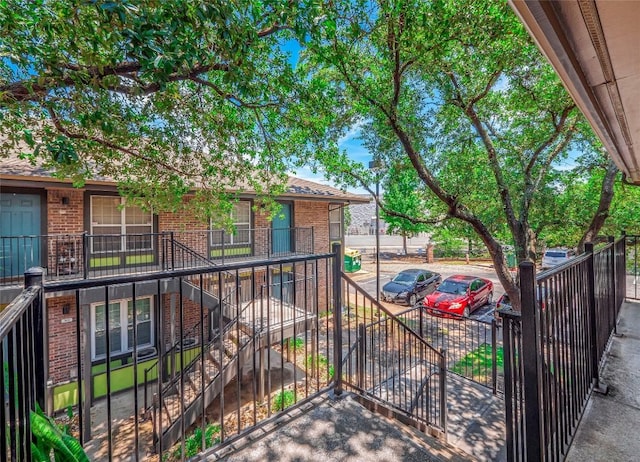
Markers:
point(20, 233)
point(281, 231)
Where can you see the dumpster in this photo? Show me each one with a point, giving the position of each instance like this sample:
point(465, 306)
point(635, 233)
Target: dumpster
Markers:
point(352, 260)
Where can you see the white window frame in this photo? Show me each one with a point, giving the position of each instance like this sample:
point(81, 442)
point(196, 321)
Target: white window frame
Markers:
point(335, 208)
point(123, 226)
point(124, 330)
point(234, 238)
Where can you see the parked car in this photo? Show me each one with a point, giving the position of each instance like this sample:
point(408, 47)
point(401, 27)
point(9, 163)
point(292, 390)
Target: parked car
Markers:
point(410, 285)
point(555, 257)
point(459, 295)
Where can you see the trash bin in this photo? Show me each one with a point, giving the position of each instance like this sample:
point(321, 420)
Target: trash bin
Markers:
point(511, 260)
point(352, 260)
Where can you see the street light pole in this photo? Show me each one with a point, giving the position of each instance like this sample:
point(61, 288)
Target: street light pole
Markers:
point(377, 166)
point(377, 239)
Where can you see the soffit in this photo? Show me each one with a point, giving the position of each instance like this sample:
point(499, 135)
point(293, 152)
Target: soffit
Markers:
point(594, 47)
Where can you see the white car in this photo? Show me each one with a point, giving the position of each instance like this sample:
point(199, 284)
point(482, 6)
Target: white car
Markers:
point(555, 257)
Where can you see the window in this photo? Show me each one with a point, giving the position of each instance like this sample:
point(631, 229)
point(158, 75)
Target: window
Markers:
point(116, 228)
point(476, 285)
point(335, 222)
point(121, 338)
point(241, 217)
point(421, 277)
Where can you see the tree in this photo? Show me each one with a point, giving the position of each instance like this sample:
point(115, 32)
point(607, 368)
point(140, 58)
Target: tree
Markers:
point(404, 194)
point(458, 90)
point(163, 96)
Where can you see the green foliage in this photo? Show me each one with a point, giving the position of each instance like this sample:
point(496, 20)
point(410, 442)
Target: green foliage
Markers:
point(160, 96)
point(404, 193)
point(193, 442)
point(478, 364)
point(455, 98)
point(294, 343)
point(50, 439)
point(320, 362)
point(283, 400)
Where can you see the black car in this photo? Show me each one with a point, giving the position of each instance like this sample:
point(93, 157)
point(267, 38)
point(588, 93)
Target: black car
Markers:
point(410, 285)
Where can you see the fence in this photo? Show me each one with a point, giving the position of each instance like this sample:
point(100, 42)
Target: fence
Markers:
point(22, 380)
point(553, 349)
point(83, 256)
point(474, 349)
point(388, 363)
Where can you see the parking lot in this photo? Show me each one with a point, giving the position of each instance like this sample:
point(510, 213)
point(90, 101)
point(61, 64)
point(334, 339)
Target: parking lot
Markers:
point(391, 264)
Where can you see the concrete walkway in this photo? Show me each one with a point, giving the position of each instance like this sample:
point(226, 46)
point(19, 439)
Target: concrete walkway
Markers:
point(343, 430)
point(609, 428)
point(337, 430)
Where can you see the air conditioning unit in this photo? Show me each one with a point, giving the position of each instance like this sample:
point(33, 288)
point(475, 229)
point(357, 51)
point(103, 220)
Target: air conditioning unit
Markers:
point(187, 342)
point(146, 353)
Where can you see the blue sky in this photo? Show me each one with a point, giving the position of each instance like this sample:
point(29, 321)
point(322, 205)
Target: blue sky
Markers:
point(350, 142)
point(352, 145)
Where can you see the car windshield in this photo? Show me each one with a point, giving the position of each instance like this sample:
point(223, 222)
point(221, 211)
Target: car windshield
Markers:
point(453, 287)
point(405, 278)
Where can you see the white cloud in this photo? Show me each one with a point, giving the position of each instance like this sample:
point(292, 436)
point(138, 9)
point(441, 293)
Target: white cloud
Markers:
point(353, 133)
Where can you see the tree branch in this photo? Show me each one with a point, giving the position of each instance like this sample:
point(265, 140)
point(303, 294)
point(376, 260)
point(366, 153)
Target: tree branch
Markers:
point(558, 127)
point(81, 136)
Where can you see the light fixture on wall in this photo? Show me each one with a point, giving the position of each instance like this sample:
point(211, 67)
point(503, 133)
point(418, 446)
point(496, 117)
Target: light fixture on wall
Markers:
point(66, 308)
point(65, 201)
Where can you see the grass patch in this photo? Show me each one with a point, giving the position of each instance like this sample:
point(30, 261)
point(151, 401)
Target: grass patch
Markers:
point(478, 363)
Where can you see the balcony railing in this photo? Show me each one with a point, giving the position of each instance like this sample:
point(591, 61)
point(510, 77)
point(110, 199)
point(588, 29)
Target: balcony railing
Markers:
point(84, 256)
point(554, 349)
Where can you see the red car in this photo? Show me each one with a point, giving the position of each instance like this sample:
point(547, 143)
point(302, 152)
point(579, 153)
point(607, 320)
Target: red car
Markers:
point(460, 295)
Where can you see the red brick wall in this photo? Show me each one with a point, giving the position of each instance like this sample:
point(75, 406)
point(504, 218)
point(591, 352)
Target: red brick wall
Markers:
point(316, 215)
point(191, 318)
point(187, 228)
point(65, 219)
point(308, 214)
point(62, 338)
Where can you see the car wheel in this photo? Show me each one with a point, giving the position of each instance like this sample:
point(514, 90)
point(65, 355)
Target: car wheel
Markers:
point(412, 300)
point(465, 313)
point(490, 298)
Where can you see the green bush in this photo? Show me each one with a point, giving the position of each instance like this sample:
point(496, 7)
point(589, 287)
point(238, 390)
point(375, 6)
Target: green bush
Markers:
point(283, 400)
point(321, 363)
point(193, 443)
point(294, 343)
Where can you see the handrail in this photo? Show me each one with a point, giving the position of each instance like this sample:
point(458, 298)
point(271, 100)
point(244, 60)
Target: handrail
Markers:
point(10, 315)
point(375, 303)
point(185, 248)
point(174, 348)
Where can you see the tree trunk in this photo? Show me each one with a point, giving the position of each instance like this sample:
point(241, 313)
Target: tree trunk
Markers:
point(602, 212)
point(404, 243)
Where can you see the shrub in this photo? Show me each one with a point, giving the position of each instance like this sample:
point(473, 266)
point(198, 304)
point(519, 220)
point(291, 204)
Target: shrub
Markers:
point(321, 363)
point(294, 343)
point(193, 443)
point(283, 400)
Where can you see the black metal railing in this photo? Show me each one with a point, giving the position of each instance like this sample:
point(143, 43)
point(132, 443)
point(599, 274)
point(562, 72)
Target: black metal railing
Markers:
point(632, 266)
point(84, 256)
point(387, 362)
point(267, 347)
point(474, 349)
point(23, 363)
point(554, 349)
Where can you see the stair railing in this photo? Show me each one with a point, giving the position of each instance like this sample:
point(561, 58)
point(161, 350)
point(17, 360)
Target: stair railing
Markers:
point(388, 363)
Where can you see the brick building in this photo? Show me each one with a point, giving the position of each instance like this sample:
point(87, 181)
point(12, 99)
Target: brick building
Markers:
point(89, 232)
